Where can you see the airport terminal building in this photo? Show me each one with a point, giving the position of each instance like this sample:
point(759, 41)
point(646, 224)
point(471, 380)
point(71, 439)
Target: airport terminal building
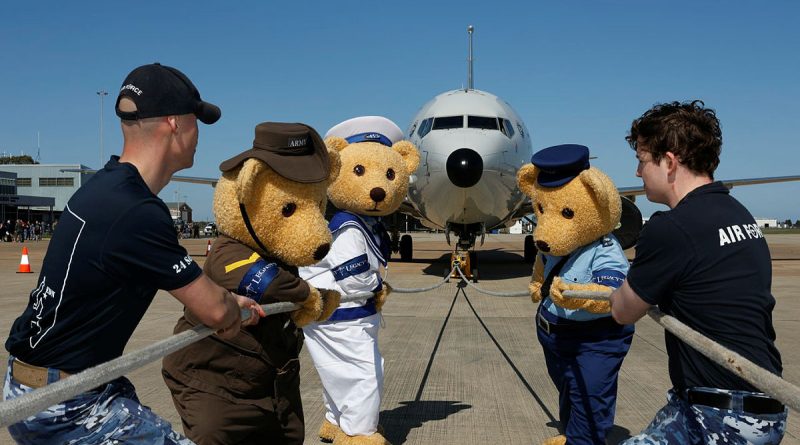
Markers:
point(38, 192)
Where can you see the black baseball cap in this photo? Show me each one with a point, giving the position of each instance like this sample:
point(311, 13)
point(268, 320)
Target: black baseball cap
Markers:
point(160, 90)
point(294, 150)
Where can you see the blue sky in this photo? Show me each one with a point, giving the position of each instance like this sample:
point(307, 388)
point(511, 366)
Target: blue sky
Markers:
point(575, 71)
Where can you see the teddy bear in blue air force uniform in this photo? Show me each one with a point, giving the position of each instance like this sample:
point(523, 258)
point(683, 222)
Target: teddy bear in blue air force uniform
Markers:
point(577, 207)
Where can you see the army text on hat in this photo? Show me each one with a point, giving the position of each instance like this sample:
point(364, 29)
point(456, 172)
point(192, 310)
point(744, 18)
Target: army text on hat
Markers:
point(294, 150)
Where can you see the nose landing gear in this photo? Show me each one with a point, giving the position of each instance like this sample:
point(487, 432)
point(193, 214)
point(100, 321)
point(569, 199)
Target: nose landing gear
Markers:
point(467, 262)
point(462, 256)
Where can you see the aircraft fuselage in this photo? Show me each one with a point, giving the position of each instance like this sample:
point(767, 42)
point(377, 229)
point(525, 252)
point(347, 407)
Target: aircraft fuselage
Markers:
point(471, 144)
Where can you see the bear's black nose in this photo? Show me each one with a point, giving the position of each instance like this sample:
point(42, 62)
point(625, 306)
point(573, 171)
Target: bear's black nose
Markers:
point(322, 251)
point(377, 194)
point(543, 246)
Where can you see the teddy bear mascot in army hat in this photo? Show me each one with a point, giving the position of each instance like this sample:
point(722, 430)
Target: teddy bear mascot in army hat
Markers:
point(269, 206)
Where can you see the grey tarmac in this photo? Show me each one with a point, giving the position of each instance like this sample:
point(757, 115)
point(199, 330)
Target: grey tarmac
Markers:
point(461, 367)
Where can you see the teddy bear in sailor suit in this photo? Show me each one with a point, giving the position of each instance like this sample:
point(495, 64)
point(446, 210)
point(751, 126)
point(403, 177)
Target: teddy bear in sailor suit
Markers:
point(376, 165)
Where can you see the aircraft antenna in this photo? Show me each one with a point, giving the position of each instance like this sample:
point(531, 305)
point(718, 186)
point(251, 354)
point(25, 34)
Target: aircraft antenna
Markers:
point(470, 30)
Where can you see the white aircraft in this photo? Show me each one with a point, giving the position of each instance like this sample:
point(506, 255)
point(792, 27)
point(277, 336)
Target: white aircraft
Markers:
point(471, 144)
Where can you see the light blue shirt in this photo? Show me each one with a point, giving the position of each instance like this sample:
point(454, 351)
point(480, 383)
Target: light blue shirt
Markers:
point(601, 262)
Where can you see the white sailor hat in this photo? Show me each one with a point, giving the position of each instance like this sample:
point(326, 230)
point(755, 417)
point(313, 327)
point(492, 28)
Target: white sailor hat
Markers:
point(367, 129)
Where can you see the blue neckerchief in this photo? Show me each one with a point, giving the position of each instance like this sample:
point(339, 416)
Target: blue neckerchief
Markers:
point(380, 231)
point(378, 242)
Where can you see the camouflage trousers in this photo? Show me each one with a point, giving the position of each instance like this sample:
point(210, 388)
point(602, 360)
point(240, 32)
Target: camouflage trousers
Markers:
point(678, 422)
point(108, 414)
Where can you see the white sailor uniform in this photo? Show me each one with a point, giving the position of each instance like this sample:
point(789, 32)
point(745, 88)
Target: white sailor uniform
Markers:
point(344, 348)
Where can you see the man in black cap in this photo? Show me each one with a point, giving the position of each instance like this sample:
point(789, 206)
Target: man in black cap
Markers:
point(114, 248)
point(705, 262)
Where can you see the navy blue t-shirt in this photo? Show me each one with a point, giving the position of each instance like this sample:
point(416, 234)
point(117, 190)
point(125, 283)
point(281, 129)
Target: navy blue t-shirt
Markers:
point(113, 248)
point(706, 263)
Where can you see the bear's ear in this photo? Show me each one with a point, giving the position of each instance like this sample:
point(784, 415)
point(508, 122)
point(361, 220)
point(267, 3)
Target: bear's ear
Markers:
point(526, 178)
point(335, 143)
point(336, 164)
point(246, 180)
point(409, 153)
point(604, 191)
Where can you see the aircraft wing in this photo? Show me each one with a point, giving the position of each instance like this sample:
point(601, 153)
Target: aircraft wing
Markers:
point(630, 192)
point(192, 179)
point(730, 183)
point(408, 209)
point(196, 180)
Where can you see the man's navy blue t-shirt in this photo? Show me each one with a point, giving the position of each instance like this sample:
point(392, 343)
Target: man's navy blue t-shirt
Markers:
point(706, 263)
point(113, 248)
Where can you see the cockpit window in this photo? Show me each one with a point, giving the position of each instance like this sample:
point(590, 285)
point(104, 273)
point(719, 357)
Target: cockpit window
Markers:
point(424, 127)
point(448, 122)
point(413, 128)
point(482, 122)
point(507, 128)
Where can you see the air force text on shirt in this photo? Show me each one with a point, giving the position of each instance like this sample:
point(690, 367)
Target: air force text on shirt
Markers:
point(736, 232)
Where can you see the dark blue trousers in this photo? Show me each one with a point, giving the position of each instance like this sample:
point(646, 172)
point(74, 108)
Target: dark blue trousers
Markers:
point(584, 365)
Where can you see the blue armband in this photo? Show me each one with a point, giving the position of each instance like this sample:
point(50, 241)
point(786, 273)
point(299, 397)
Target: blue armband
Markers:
point(352, 267)
point(257, 279)
point(608, 277)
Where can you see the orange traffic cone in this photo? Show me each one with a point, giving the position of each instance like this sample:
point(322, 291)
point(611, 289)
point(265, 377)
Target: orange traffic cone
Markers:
point(24, 265)
point(208, 248)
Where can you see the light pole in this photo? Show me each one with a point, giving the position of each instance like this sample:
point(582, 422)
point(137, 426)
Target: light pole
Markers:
point(101, 93)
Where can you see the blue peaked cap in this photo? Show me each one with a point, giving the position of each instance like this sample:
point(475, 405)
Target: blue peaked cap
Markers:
point(560, 163)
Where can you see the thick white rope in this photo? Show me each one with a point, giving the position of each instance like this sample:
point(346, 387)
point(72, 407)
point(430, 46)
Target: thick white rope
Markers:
point(757, 376)
point(12, 411)
point(488, 292)
point(28, 404)
point(414, 290)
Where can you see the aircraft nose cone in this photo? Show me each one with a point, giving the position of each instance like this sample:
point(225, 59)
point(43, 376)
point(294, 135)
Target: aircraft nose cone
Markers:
point(464, 167)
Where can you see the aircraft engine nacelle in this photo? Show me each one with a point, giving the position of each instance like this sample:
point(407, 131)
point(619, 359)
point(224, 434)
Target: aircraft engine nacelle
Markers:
point(630, 224)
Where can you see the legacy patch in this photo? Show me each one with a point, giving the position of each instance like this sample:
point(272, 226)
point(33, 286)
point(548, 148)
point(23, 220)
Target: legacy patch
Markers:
point(257, 279)
point(608, 277)
point(352, 267)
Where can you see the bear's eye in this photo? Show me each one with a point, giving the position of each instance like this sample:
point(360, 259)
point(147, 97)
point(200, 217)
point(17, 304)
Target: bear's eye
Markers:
point(541, 209)
point(358, 170)
point(567, 213)
point(288, 209)
point(390, 174)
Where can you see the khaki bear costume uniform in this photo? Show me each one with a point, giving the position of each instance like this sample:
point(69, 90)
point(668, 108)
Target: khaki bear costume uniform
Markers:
point(247, 390)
